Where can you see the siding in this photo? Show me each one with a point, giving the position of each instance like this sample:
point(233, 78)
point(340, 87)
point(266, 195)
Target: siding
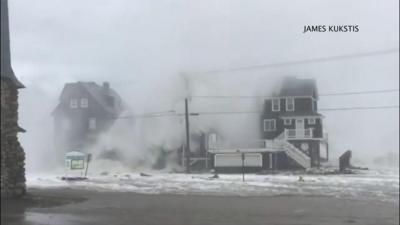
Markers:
point(302, 105)
point(79, 135)
point(268, 114)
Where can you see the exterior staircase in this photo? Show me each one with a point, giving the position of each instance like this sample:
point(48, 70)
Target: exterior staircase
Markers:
point(291, 151)
point(294, 153)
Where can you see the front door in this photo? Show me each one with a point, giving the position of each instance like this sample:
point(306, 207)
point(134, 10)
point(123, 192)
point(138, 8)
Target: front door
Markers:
point(299, 128)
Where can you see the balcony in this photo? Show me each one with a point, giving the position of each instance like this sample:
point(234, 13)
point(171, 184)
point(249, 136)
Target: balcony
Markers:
point(298, 133)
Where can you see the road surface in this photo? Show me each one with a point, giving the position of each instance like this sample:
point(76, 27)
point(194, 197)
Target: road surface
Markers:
point(61, 206)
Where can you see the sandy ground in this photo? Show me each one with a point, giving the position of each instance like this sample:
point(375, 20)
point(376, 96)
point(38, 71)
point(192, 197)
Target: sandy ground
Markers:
point(58, 206)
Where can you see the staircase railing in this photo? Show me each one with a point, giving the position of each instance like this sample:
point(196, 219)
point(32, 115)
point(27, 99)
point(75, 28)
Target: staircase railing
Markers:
point(297, 155)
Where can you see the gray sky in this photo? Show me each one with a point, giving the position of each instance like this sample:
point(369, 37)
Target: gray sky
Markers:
point(141, 46)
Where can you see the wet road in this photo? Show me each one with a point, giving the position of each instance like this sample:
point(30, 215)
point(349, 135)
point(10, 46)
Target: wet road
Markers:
point(74, 207)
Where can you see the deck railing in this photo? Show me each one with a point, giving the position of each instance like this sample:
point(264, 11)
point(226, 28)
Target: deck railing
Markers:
point(298, 133)
point(239, 144)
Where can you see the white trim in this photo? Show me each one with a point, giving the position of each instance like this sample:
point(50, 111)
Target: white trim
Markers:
point(270, 120)
point(73, 103)
point(300, 134)
point(84, 102)
point(250, 150)
point(304, 117)
point(235, 160)
point(313, 119)
point(286, 103)
point(279, 104)
point(299, 124)
point(290, 121)
point(283, 97)
point(305, 138)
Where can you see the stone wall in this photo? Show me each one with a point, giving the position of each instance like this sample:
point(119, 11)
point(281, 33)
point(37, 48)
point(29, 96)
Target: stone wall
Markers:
point(12, 154)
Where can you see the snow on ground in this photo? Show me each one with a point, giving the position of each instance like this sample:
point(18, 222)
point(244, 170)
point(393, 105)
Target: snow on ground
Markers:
point(381, 185)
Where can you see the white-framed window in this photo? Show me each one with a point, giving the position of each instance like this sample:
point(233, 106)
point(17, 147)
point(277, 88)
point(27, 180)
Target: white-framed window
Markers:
point(92, 123)
point(84, 103)
point(290, 104)
point(276, 106)
point(311, 121)
point(269, 125)
point(73, 103)
point(287, 121)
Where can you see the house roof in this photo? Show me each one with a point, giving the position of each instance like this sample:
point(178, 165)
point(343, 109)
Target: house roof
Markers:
point(6, 69)
point(292, 86)
point(99, 93)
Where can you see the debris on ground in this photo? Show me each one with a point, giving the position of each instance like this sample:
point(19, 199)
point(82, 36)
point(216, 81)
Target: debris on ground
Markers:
point(358, 168)
point(73, 178)
point(215, 176)
point(145, 175)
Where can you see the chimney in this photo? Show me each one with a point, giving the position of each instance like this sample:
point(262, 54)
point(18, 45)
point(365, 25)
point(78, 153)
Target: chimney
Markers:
point(106, 86)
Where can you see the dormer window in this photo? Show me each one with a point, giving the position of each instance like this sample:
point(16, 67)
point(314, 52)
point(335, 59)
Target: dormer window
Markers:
point(290, 104)
point(73, 104)
point(276, 106)
point(84, 102)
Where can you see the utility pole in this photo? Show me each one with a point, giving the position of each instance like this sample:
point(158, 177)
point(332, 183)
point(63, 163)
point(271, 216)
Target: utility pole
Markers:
point(242, 166)
point(187, 149)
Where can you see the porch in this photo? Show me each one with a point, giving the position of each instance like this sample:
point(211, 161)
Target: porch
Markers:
point(298, 133)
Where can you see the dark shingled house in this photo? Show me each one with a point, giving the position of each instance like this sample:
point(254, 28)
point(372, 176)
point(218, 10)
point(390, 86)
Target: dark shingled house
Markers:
point(85, 110)
point(12, 154)
point(291, 130)
point(292, 115)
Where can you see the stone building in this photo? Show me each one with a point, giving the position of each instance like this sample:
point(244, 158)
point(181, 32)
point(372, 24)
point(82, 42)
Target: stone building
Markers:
point(12, 154)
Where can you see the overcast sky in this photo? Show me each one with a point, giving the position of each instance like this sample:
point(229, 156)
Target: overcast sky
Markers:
point(140, 47)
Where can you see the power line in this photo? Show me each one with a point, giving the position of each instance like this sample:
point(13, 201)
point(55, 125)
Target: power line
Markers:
point(360, 108)
point(361, 92)
point(259, 112)
point(306, 61)
point(325, 94)
point(172, 113)
point(146, 116)
point(322, 109)
point(223, 112)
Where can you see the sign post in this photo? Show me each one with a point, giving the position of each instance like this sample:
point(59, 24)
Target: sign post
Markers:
point(88, 158)
point(74, 164)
